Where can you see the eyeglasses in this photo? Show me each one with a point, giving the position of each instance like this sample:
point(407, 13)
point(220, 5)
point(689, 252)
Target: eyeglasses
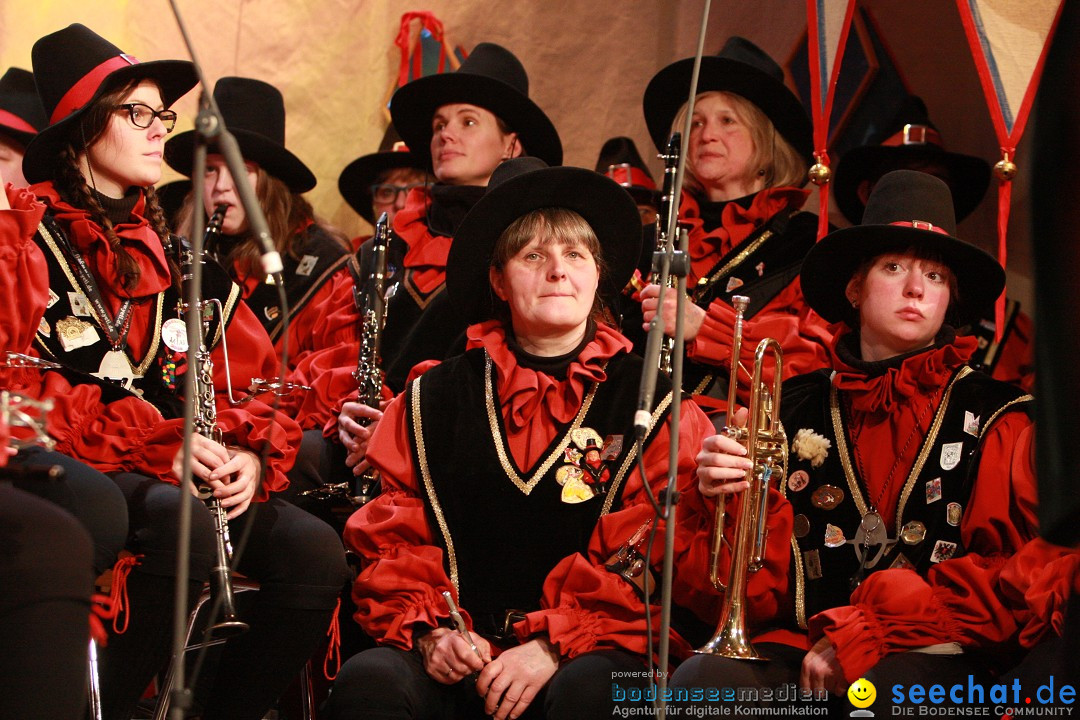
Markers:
point(385, 193)
point(142, 116)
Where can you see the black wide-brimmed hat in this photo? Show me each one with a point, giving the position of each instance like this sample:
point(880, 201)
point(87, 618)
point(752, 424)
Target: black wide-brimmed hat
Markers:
point(906, 209)
point(21, 114)
point(74, 67)
point(491, 78)
point(742, 68)
point(254, 112)
point(620, 160)
point(519, 186)
point(356, 179)
point(910, 141)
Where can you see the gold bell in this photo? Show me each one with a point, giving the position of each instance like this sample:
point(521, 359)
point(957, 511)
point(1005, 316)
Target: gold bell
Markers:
point(1005, 170)
point(820, 174)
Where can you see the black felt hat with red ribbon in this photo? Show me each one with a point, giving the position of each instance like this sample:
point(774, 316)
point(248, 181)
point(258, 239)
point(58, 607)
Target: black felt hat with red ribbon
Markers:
point(21, 114)
point(907, 209)
point(74, 67)
point(620, 160)
point(910, 141)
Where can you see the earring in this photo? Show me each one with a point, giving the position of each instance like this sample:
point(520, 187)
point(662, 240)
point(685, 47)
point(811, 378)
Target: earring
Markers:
point(761, 172)
point(855, 304)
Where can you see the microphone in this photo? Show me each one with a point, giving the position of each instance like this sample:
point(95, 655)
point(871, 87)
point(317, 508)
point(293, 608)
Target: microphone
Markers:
point(649, 370)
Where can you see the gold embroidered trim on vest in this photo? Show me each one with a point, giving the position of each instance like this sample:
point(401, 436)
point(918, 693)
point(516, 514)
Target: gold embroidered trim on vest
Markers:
point(1000, 411)
point(155, 341)
point(707, 283)
point(429, 486)
point(500, 442)
point(631, 456)
point(422, 300)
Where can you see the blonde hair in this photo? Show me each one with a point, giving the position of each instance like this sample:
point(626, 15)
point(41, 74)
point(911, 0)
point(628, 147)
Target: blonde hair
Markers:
point(774, 158)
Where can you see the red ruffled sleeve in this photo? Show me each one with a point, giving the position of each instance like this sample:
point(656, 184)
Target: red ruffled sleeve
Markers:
point(24, 276)
point(801, 332)
point(328, 319)
point(979, 599)
point(130, 434)
point(400, 587)
point(787, 318)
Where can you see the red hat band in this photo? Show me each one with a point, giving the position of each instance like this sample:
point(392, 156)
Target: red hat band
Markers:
point(923, 225)
point(914, 135)
point(627, 175)
point(12, 121)
point(81, 92)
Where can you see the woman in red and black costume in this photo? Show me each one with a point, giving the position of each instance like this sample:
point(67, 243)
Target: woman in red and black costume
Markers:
point(109, 318)
point(749, 148)
point(909, 502)
point(319, 268)
point(524, 552)
point(461, 125)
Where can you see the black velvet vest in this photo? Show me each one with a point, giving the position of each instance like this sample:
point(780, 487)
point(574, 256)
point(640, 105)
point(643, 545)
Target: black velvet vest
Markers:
point(154, 381)
point(930, 506)
point(504, 529)
point(315, 261)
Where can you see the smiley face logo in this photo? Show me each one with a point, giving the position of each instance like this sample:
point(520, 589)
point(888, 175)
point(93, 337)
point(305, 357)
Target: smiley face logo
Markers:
point(862, 693)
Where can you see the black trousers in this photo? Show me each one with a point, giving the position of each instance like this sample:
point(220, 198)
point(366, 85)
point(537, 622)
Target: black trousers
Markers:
point(298, 560)
point(387, 683)
point(91, 496)
point(45, 572)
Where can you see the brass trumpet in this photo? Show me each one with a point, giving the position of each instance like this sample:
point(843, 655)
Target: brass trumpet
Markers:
point(766, 449)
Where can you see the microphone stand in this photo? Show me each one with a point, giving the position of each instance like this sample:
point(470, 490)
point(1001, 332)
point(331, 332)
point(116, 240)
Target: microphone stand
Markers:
point(210, 129)
point(676, 262)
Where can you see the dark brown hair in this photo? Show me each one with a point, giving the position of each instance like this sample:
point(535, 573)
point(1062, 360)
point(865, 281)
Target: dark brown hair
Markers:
point(287, 215)
point(74, 187)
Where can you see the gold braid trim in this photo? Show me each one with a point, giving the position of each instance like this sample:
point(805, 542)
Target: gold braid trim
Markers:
point(500, 441)
point(155, 341)
point(429, 486)
point(630, 457)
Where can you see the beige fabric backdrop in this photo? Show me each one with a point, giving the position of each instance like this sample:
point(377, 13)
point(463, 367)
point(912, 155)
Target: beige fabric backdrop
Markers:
point(588, 64)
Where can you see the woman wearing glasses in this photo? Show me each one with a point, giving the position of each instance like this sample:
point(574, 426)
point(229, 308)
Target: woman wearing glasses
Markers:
point(109, 315)
point(380, 182)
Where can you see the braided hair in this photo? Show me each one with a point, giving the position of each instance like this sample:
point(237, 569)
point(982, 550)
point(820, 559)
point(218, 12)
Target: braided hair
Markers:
point(73, 186)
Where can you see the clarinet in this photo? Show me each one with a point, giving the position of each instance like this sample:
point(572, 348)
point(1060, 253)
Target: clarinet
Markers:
point(665, 223)
point(371, 306)
point(368, 371)
point(221, 589)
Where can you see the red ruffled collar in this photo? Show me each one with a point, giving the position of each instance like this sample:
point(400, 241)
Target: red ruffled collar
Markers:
point(427, 253)
point(737, 222)
point(918, 374)
point(137, 237)
point(523, 392)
